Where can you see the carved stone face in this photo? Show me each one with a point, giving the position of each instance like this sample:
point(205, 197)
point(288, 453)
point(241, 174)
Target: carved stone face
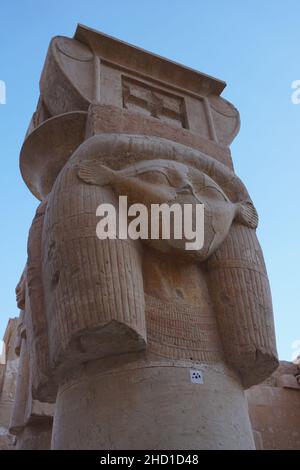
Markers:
point(170, 182)
point(20, 292)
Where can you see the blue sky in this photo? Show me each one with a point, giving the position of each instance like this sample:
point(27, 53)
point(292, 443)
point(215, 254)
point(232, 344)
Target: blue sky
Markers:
point(252, 45)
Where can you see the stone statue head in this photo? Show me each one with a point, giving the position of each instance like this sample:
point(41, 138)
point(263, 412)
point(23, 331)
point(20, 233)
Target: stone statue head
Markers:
point(172, 183)
point(20, 291)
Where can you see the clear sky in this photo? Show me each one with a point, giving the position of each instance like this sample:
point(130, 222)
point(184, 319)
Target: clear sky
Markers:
point(252, 45)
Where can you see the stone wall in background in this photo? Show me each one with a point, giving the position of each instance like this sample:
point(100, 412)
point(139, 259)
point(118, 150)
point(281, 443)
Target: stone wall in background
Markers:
point(274, 409)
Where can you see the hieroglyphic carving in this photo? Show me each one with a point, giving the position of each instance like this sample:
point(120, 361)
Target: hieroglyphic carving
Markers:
point(167, 320)
point(140, 97)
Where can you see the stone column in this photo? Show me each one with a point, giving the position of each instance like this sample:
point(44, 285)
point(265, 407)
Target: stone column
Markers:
point(31, 420)
point(150, 346)
point(8, 375)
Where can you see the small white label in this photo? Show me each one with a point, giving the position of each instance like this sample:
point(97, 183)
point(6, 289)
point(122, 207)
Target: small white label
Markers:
point(196, 376)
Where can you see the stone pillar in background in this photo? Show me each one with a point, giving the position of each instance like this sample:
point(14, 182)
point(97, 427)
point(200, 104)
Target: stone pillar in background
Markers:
point(8, 375)
point(31, 420)
point(151, 345)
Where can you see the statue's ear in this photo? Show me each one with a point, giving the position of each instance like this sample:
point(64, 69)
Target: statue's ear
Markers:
point(247, 214)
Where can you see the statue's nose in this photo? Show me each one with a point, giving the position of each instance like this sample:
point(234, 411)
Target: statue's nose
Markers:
point(187, 188)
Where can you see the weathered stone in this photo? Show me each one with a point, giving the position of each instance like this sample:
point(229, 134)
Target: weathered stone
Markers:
point(121, 325)
point(43, 385)
point(8, 374)
point(31, 420)
point(274, 409)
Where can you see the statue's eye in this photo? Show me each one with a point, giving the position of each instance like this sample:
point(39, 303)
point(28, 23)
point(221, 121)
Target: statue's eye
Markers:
point(154, 177)
point(211, 192)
